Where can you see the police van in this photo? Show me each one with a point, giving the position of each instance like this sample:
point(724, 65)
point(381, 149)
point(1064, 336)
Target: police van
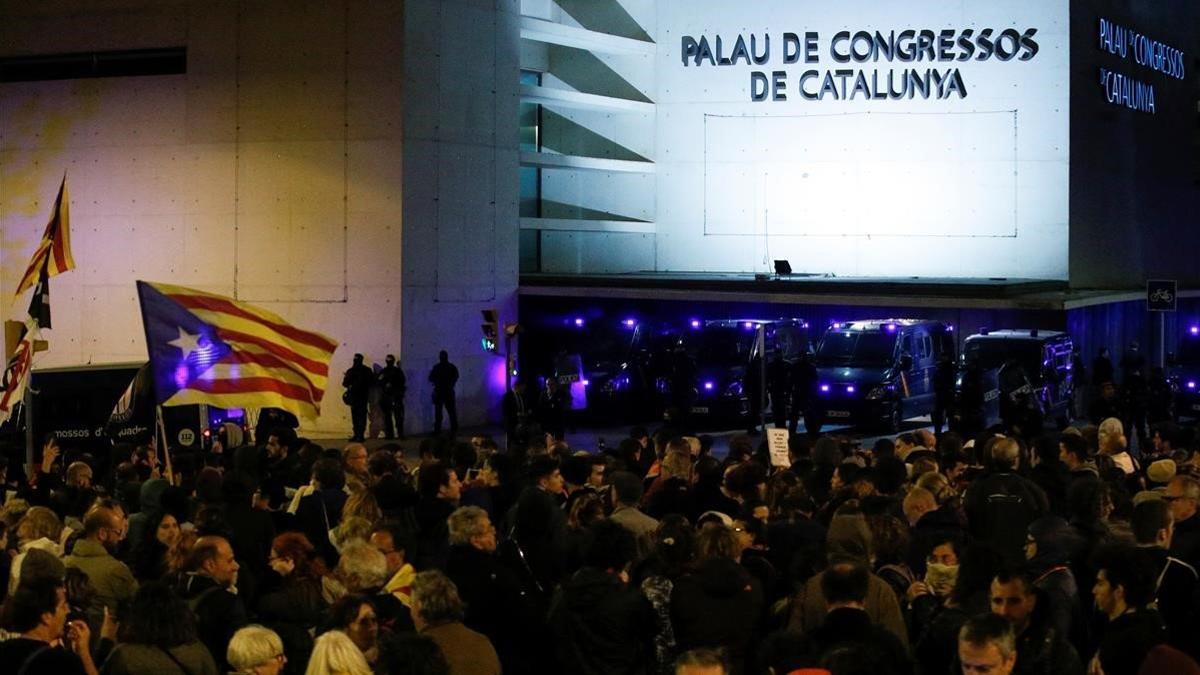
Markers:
point(1030, 368)
point(880, 372)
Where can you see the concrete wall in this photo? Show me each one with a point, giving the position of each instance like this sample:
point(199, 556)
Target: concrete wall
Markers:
point(272, 171)
point(460, 191)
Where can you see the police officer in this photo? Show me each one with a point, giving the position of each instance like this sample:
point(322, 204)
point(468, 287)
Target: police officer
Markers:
point(778, 383)
point(969, 413)
point(804, 392)
point(943, 392)
point(392, 386)
point(552, 409)
point(357, 381)
point(443, 376)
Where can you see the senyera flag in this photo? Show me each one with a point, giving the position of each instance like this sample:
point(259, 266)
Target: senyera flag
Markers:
point(207, 348)
point(53, 254)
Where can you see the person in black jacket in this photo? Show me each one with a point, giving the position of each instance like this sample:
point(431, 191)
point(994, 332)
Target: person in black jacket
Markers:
point(357, 381)
point(1176, 582)
point(600, 624)
point(1124, 587)
point(208, 585)
point(539, 524)
point(392, 387)
point(718, 604)
point(1041, 649)
point(498, 606)
point(321, 510)
point(439, 490)
point(1001, 505)
point(443, 376)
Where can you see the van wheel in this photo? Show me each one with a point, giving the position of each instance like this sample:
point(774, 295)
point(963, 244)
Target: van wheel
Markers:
point(895, 419)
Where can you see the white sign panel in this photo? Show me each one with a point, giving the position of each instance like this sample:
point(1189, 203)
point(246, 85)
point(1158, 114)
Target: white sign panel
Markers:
point(864, 138)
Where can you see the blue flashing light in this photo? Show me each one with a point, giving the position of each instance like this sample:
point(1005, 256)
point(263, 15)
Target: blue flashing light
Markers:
point(579, 321)
point(749, 325)
point(836, 325)
point(1195, 330)
point(695, 323)
point(629, 323)
point(849, 389)
point(824, 389)
point(891, 327)
point(708, 386)
point(1191, 384)
point(585, 382)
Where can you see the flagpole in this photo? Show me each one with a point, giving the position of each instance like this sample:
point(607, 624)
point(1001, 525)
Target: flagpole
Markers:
point(166, 450)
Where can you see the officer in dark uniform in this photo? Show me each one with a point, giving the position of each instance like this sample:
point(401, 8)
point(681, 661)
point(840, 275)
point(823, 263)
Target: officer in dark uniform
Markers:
point(552, 409)
point(752, 387)
point(683, 386)
point(357, 381)
point(778, 383)
point(943, 392)
point(443, 376)
point(969, 412)
point(392, 386)
point(804, 393)
point(1015, 395)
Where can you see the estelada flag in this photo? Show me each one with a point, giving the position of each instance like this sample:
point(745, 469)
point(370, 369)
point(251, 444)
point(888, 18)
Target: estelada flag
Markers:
point(54, 250)
point(16, 371)
point(208, 348)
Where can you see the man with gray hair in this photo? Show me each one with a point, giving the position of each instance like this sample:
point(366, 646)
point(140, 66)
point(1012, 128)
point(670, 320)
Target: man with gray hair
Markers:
point(438, 614)
point(987, 646)
point(497, 606)
point(1001, 505)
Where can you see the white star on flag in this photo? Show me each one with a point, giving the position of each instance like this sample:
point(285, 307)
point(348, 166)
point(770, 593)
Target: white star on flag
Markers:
point(186, 342)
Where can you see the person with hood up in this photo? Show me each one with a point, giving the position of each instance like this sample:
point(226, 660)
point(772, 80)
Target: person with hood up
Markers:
point(149, 515)
point(600, 624)
point(848, 539)
point(718, 604)
point(1049, 548)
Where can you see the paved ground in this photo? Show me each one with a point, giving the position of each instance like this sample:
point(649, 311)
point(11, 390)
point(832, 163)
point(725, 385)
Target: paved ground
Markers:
point(590, 437)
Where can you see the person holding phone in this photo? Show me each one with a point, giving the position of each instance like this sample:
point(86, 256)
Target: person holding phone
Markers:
point(47, 641)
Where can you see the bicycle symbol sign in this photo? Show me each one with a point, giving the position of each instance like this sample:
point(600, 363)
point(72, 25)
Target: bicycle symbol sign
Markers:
point(1161, 295)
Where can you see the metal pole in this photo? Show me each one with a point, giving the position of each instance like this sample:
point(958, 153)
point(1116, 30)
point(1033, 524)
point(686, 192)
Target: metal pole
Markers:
point(1162, 339)
point(761, 338)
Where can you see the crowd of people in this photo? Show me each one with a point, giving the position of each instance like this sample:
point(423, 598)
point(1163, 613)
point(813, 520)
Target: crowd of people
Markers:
point(1058, 552)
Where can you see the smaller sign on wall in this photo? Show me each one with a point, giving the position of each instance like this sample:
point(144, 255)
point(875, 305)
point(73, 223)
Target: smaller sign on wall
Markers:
point(1161, 295)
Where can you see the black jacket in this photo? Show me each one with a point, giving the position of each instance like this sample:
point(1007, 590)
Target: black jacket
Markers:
point(497, 605)
point(601, 625)
point(719, 604)
point(219, 613)
point(540, 528)
point(1128, 639)
point(433, 534)
point(1000, 508)
point(1185, 545)
point(1042, 649)
point(1177, 593)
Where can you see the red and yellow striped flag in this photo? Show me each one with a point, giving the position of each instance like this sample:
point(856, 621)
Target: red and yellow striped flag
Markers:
point(207, 348)
point(54, 250)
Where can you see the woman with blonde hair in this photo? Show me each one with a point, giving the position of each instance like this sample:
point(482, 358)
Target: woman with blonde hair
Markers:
point(1113, 443)
point(336, 654)
point(39, 528)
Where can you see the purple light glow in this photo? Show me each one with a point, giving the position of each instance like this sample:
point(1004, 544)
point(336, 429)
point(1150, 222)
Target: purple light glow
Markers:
point(708, 386)
point(824, 388)
point(630, 323)
point(849, 389)
point(891, 327)
point(585, 382)
point(1191, 384)
point(836, 325)
point(695, 323)
point(578, 321)
point(748, 325)
point(1195, 330)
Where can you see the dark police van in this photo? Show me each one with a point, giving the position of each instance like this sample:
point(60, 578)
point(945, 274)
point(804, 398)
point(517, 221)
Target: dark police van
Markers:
point(1185, 374)
point(880, 372)
point(1026, 367)
point(720, 354)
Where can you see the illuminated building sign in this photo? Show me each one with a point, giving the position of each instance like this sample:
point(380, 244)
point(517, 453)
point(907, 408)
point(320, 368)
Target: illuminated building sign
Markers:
point(1130, 45)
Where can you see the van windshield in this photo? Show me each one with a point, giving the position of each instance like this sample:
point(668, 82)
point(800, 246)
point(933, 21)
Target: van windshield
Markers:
point(856, 348)
point(719, 346)
point(994, 353)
